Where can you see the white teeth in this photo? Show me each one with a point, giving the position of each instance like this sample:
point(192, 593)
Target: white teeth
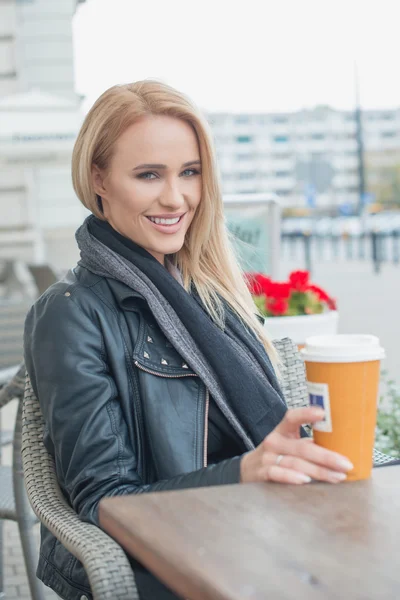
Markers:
point(164, 221)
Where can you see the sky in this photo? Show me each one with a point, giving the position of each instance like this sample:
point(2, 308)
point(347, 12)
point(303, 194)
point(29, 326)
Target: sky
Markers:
point(244, 56)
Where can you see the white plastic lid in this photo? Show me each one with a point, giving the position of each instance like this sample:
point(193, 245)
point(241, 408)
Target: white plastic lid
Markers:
point(342, 348)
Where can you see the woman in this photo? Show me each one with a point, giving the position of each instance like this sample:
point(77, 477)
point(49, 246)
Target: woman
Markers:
point(151, 368)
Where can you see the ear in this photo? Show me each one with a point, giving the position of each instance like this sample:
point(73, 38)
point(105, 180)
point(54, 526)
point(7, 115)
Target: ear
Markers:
point(98, 177)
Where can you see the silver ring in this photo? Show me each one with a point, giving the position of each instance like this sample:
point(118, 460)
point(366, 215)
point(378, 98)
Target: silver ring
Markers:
point(279, 458)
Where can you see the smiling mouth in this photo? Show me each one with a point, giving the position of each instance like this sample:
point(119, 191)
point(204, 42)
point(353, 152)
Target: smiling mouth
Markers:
point(165, 222)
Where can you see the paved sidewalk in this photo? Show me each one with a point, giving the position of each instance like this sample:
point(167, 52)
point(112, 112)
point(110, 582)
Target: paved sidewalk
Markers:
point(15, 580)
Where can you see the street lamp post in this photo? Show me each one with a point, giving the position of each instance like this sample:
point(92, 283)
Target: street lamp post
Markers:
point(360, 148)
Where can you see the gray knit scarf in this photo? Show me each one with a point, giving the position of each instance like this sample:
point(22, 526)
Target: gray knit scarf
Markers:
point(103, 261)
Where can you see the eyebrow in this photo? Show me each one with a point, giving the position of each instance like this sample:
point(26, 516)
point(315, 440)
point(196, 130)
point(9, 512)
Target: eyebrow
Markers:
point(157, 166)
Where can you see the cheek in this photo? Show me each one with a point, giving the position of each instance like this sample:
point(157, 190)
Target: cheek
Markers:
point(132, 195)
point(196, 193)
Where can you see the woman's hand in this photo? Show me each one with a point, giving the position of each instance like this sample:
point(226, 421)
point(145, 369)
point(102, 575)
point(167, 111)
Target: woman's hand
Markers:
point(300, 460)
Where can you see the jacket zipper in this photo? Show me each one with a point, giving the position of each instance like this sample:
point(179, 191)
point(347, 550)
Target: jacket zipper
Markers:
point(206, 427)
point(139, 366)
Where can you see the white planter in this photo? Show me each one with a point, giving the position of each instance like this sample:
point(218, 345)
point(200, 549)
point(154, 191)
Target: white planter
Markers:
point(301, 327)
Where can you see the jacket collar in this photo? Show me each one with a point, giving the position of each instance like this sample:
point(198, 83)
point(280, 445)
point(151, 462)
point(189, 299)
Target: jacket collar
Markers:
point(123, 293)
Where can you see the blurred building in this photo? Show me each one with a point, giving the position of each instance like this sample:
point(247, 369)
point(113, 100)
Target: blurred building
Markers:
point(308, 157)
point(40, 117)
point(36, 46)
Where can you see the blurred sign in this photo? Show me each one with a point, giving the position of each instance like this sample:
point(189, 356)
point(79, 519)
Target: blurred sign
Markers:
point(368, 198)
point(311, 196)
point(345, 209)
point(250, 230)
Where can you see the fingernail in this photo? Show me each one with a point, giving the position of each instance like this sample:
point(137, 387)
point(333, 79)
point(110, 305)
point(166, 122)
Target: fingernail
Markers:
point(319, 412)
point(345, 464)
point(303, 478)
point(338, 476)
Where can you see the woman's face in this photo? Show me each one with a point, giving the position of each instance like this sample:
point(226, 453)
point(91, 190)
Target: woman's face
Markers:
point(153, 185)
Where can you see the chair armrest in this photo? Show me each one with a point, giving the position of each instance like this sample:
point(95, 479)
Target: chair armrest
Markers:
point(12, 384)
point(106, 564)
point(8, 373)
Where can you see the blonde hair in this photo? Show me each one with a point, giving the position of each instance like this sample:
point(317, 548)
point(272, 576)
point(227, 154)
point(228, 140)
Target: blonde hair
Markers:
point(206, 259)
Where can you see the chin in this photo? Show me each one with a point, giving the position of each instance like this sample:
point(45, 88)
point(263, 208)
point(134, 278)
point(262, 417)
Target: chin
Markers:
point(171, 248)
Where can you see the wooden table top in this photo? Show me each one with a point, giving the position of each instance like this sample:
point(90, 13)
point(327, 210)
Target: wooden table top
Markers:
point(267, 541)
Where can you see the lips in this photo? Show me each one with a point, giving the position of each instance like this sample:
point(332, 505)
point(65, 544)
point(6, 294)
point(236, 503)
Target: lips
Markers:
point(165, 228)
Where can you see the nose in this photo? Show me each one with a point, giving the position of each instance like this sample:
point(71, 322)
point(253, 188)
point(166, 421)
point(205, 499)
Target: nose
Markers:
point(172, 196)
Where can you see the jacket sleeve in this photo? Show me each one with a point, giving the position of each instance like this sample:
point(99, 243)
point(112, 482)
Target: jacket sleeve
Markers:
point(84, 426)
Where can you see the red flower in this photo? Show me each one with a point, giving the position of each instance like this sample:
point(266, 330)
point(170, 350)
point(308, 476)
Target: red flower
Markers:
point(279, 291)
point(278, 306)
point(332, 304)
point(319, 292)
point(258, 284)
point(276, 298)
point(323, 296)
point(299, 280)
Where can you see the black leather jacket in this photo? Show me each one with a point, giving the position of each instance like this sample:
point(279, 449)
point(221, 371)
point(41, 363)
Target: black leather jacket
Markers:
point(124, 414)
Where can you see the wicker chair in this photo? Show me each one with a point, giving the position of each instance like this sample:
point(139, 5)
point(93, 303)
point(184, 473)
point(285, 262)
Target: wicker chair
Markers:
point(14, 504)
point(107, 567)
point(106, 564)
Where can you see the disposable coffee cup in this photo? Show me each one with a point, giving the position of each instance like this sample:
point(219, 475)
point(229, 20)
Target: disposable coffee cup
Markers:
point(343, 378)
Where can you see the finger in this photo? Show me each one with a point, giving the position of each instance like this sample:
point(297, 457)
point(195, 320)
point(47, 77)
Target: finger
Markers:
point(313, 454)
point(296, 417)
point(279, 474)
point(312, 470)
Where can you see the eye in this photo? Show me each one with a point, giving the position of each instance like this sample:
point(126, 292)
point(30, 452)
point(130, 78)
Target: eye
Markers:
point(148, 176)
point(190, 172)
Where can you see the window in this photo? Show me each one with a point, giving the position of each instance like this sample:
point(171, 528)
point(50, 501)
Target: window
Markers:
point(388, 134)
point(243, 139)
point(388, 116)
point(8, 75)
point(281, 139)
point(282, 192)
point(283, 173)
point(317, 136)
point(241, 156)
point(279, 119)
point(247, 175)
point(281, 156)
